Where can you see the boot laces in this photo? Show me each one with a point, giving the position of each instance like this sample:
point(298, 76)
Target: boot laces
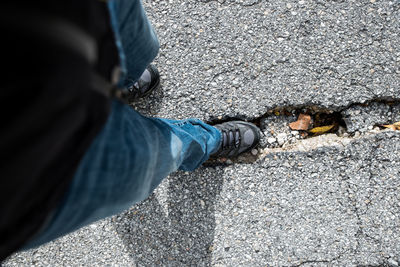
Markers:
point(231, 138)
point(135, 90)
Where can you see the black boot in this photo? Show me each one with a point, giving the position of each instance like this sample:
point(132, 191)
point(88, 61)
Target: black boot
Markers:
point(237, 137)
point(147, 83)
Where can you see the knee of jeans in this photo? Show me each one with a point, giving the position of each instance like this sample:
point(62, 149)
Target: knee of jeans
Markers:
point(176, 146)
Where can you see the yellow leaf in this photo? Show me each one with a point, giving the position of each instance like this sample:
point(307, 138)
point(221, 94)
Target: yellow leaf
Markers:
point(390, 126)
point(322, 129)
point(395, 126)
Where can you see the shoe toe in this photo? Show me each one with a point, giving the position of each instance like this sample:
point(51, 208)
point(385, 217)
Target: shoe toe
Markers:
point(249, 137)
point(249, 140)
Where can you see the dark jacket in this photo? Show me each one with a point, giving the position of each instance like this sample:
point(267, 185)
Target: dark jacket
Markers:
point(50, 109)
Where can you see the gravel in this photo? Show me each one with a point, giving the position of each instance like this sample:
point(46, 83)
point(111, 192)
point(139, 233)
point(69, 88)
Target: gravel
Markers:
point(271, 140)
point(276, 131)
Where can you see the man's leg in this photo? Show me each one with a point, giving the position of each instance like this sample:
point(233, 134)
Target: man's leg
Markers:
point(135, 37)
point(133, 154)
point(125, 163)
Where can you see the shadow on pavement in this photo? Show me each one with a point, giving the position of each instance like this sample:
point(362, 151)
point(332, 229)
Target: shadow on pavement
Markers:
point(180, 230)
point(150, 105)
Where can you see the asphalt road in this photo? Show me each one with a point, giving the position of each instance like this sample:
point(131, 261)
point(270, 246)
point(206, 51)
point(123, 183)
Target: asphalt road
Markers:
point(334, 202)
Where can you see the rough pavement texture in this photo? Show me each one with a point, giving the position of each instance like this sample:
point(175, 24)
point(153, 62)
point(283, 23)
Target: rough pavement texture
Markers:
point(242, 58)
point(331, 206)
point(359, 118)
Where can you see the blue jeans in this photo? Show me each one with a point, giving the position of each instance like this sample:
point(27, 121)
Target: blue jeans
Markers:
point(129, 157)
point(136, 39)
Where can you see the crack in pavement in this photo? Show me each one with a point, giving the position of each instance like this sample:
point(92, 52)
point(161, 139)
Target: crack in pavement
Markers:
point(240, 3)
point(315, 261)
point(339, 137)
point(356, 202)
point(346, 121)
point(311, 108)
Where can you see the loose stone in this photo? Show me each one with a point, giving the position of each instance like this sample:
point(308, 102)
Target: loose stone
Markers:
point(281, 138)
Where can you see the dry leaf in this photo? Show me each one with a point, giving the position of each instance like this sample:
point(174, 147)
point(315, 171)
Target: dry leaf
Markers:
point(321, 130)
point(390, 126)
point(223, 159)
point(395, 126)
point(302, 123)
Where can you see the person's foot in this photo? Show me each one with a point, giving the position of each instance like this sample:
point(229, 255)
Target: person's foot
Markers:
point(147, 83)
point(237, 137)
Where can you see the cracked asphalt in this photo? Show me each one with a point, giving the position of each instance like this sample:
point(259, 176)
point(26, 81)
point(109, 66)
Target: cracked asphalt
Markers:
point(328, 206)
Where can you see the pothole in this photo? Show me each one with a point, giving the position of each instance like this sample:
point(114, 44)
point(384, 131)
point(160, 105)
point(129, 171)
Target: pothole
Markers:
point(278, 136)
point(279, 128)
point(275, 124)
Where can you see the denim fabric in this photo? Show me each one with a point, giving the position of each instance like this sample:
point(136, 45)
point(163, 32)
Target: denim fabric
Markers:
point(136, 39)
point(125, 163)
point(132, 154)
